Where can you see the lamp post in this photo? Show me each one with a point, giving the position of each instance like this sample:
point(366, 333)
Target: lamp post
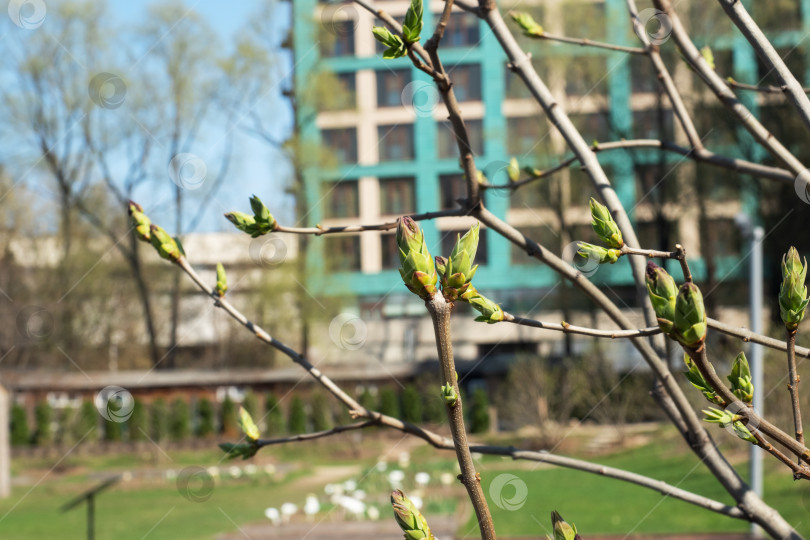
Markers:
point(754, 234)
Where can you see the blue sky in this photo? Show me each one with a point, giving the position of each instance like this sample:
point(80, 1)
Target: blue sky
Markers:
point(254, 168)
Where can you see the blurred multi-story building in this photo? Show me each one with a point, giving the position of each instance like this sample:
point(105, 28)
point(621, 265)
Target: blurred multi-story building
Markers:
point(393, 154)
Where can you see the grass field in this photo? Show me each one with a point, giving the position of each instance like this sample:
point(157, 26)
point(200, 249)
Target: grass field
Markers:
point(597, 505)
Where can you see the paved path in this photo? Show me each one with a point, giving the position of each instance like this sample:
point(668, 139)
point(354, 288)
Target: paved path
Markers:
point(443, 528)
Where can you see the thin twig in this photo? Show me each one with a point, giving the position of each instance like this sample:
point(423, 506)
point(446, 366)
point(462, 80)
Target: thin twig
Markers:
point(649, 253)
point(798, 471)
point(700, 155)
point(440, 311)
point(584, 42)
point(749, 415)
point(261, 443)
point(443, 443)
point(681, 257)
point(727, 97)
point(388, 225)
point(764, 89)
point(665, 78)
point(748, 336)
point(767, 53)
point(793, 386)
point(581, 330)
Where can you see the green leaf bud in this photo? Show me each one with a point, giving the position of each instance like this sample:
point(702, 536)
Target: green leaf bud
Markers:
point(165, 245)
point(409, 518)
point(248, 426)
point(562, 530)
point(604, 226)
point(740, 378)
point(690, 316)
point(449, 394)
point(527, 23)
point(597, 253)
point(663, 291)
point(416, 264)
point(793, 298)
point(412, 26)
point(222, 281)
point(489, 310)
point(695, 377)
point(396, 47)
point(140, 221)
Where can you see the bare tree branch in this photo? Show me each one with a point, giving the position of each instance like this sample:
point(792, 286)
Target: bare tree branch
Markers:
point(749, 28)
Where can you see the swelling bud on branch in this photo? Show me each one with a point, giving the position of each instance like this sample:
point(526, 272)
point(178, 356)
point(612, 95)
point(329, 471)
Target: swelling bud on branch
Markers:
point(604, 226)
point(562, 530)
point(457, 271)
point(166, 246)
point(690, 317)
point(408, 517)
point(416, 264)
point(740, 378)
point(793, 292)
point(597, 253)
point(260, 223)
point(140, 221)
point(663, 291)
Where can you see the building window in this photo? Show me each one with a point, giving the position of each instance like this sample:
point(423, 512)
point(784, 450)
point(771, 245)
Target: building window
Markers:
point(723, 238)
point(581, 186)
point(585, 76)
point(541, 193)
point(397, 196)
point(340, 199)
point(336, 36)
point(653, 124)
point(584, 19)
point(448, 147)
point(543, 235)
point(395, 142)
point(343, 142)
point(342, 94)
point(390, 85)
point(453, 188)
point(527, 136)
point(656, 184)
point(450, 237)
point(655, 234)
point(389, 250)
point(462, 30)
point(593, 126)
point(342, 253)
point(514, 85)
point(466, 82)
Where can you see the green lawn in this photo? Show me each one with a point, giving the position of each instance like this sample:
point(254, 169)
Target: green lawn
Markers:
point(596, 505)
point(601, 505)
